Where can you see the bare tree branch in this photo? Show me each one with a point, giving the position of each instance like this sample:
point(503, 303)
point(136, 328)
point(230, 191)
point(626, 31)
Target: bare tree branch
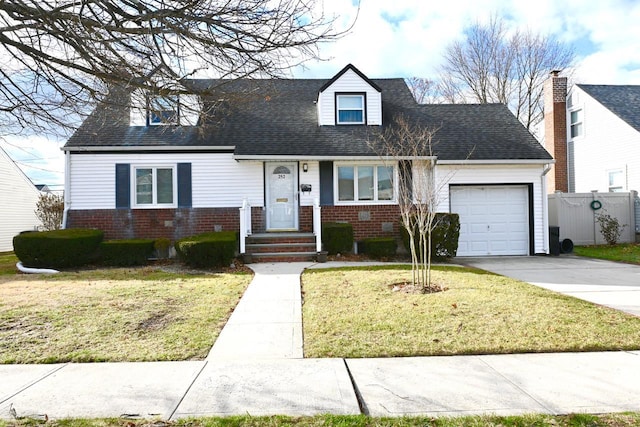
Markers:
point(61, 56)
point(493, 65)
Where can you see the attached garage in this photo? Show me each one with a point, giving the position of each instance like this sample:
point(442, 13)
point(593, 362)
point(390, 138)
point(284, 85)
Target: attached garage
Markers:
point(494, 219)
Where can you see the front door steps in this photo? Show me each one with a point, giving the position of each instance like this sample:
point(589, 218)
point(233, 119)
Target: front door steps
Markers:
point(281, 247)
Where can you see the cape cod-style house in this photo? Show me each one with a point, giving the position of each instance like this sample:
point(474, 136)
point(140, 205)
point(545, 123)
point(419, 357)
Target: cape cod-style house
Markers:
point(279, 157)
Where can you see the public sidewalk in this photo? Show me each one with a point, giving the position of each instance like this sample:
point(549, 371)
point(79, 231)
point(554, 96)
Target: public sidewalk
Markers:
point(256, 367)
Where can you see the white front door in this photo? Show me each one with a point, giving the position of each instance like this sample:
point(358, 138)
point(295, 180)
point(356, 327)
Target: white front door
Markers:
point(282, 205)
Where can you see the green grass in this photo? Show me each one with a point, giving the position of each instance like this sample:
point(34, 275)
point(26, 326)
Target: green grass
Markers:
point(8, 263)
point(574, 420)
point(354, 313)
point(627, 252)
point(121, 314)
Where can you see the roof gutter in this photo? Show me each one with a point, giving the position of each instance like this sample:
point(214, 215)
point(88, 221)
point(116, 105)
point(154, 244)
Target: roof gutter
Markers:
point(148, 148)
point(498, 162)
point(335, 158)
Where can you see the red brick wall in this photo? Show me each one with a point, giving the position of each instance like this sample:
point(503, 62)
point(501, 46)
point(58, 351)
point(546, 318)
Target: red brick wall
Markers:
point(372, 227)
point(178, 223)
point(555, 131)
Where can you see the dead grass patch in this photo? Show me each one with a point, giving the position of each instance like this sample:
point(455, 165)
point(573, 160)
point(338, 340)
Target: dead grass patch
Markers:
point(114, 315)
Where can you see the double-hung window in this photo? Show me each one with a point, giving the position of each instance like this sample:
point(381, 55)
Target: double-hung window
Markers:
point(350, 109)
point(163, 110)
point(154, 186)
point(366, 183)
point(576, 123)
point(616, 181)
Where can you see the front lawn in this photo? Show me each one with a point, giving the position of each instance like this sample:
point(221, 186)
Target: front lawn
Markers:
point(624, 252)
point(538, 420)
point(139, 314)
point(352, 312)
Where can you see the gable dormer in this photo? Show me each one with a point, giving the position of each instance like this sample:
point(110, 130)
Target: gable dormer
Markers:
point(163, 110)
point(349, 98)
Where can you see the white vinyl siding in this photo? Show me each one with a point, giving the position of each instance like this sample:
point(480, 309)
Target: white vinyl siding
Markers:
point(499, 175)
point(349, 82)
point(19, 197)
point(217, 180)
point(608, 144)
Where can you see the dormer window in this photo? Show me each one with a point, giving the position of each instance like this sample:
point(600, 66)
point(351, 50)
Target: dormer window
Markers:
point(350, 109)
point(163, 110)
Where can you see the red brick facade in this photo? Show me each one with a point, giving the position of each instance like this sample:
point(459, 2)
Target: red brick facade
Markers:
point(367, 221)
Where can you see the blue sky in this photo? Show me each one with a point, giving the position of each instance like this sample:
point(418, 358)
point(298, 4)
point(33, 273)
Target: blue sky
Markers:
point(404, 38)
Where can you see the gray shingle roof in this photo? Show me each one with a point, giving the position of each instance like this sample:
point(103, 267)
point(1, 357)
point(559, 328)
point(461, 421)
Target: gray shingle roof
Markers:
point(279, 118)
point(622, 100)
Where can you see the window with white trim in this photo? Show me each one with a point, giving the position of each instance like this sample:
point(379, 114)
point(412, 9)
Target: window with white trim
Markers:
point(365, 183)
point(616, 181)
point(154, 186)
point(163, 110)
point(577, 127)
point(350, 109)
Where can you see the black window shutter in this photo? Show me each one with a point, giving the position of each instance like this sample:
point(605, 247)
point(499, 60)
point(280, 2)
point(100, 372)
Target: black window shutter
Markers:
point(123, 186)
point(326, 183)
point(184, 185)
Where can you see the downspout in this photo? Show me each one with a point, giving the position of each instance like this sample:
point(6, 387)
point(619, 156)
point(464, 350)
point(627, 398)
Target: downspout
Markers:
point(67, 188)
point(545, 207)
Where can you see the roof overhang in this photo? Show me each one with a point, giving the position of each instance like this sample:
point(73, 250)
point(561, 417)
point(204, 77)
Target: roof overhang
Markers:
point(498, 162)
point(155, 148)
point(267, 158)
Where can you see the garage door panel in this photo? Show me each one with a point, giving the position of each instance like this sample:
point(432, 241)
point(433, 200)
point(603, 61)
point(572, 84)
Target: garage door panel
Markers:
point(493, 219)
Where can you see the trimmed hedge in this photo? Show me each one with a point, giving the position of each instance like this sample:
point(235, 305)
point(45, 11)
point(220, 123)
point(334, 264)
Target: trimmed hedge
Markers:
point(444, 236)
point(379, 247)
point(72, 247)
point(216, 249)
point(337, 237)
point(125, 253)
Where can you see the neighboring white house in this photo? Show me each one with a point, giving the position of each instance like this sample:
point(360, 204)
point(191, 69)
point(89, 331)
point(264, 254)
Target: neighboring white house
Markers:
point(601, 133)
point(19, 197)
point(140, 167)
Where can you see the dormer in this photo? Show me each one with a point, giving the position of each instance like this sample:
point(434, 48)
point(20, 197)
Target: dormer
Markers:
point(349, 98)
point(163, 110)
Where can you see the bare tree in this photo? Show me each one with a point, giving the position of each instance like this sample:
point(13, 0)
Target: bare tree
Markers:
point(61, 56)
point(425, 91)
point(493, 64)
point(49, 210)
point(409, 145)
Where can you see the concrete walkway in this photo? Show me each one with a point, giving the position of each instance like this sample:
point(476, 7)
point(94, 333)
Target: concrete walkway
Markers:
point(255, 368)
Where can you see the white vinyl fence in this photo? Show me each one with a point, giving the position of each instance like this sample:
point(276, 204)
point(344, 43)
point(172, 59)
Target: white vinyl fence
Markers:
point(575, 214)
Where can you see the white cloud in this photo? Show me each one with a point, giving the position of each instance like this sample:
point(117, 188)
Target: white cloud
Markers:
point(39, 158)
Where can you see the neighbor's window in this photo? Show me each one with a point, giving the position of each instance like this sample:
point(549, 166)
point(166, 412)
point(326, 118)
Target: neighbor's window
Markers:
point(365, 183)
point(163, 110)
point(154, 186)
point(616, 181)
point(576, 123)
point(350, 109)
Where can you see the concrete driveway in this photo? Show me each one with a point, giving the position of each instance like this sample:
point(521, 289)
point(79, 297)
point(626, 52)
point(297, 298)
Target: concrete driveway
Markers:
point(606, 283)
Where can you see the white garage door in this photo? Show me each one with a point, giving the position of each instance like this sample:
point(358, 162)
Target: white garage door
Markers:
point(494, 220)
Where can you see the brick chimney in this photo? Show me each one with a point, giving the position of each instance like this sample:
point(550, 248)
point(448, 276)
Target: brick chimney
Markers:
point(555, 131)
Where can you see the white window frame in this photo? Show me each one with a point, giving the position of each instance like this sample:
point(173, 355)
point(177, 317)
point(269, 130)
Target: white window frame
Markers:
point(613, 188)
point(580, 121)
point(154, 186)
point(363, 109)
point(175, 100)
point(355, 201)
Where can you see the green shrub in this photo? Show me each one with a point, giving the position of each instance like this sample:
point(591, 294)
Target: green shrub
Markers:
point(379, 247)
point(57, 249)
point(126, 252)
point(337, 237)
point(208, 249)
point(444, 236)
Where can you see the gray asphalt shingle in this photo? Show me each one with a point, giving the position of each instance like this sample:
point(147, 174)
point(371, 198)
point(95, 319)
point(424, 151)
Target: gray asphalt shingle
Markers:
point(622, 100)
point(279, 117)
